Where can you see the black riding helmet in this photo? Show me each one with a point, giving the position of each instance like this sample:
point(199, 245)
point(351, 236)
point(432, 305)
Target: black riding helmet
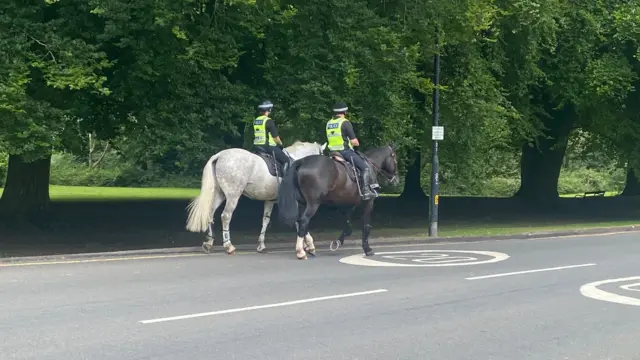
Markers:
point(266, 105)
point(340, 108)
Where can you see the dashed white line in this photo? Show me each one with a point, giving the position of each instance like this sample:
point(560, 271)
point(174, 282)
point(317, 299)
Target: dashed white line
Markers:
point(528, 271)
point(267, 306)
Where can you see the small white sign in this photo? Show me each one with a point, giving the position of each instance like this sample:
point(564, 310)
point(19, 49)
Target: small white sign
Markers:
point(437, 133)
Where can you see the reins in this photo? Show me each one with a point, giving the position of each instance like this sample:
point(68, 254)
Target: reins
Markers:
point(379, 170)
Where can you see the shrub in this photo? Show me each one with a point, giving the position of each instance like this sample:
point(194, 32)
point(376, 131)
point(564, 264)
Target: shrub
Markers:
point(500, 187)
point(4, 166)
point(67, 169)
point(584, 180)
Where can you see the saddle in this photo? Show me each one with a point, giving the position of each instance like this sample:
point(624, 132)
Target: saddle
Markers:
point(352, 171)
point(271, 162)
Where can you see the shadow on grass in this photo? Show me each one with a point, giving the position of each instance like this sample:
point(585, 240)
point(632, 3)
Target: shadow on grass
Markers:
point(124, 225)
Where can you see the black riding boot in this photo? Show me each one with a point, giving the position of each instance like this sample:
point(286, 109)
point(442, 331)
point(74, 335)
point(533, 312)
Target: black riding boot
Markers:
point(365, 187)
point(285, 166)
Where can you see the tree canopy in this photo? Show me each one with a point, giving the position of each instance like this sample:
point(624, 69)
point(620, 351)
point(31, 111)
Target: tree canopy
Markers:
point(171, 82)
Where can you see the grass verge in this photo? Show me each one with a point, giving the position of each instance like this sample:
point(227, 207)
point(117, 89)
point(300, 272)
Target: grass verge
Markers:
point(469, 230)
point(85, 193)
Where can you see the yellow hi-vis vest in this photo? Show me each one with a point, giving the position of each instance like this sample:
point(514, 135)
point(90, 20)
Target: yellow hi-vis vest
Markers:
point(260, 134)
point(335, 140)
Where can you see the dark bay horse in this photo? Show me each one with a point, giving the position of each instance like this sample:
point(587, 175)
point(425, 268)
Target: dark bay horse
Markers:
point(318, 179)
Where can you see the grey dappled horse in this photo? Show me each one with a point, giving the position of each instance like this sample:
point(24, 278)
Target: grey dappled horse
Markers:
point(230, 174)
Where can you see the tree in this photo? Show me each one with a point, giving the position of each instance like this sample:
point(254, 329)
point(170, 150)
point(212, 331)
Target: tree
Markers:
point(475, 110)
point(46, 63)
point(578, 78)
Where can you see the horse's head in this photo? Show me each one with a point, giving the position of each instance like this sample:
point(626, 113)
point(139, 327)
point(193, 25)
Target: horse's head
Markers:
point(301, 149)
point(385, 162)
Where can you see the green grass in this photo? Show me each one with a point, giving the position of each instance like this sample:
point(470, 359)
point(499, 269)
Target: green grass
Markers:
point(607, 193)
point(475, 229)
point(116, 193)
point(83, 193)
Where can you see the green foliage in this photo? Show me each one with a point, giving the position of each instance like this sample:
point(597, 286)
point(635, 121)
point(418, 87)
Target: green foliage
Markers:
point(4, 166)
point(161, 85)
point(69, 170)
point(583, 180)
point(45, 65)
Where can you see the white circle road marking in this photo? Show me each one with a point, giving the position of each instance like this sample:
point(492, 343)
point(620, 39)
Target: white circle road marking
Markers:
point(360, 260)
point(431, 258)
point(630, 287)
point(591, 290)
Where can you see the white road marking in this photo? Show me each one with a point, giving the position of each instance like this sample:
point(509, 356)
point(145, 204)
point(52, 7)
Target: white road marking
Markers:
point(258, 307)
point(591, 290)
point(630, 287)
point(361, 260)
point(528, 271)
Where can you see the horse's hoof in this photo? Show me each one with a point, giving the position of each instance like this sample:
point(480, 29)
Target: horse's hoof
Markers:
point(369, 253)
point(207, 247)
point(335, 245)
point(261, 249)
point(303, 258)
point(231, 250)
point(312, 253)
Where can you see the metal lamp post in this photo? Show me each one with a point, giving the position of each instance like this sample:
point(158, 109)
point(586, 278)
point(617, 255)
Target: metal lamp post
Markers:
point(437, 134)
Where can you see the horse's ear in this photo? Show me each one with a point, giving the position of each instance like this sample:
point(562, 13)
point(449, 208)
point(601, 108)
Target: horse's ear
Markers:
point(394, 146)
point(324, 146)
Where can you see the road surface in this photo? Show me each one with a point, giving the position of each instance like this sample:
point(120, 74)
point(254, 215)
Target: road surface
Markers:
point(527, 299)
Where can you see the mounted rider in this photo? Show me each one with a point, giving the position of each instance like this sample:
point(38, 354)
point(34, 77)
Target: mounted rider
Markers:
point(265, 135)
point(342, 138)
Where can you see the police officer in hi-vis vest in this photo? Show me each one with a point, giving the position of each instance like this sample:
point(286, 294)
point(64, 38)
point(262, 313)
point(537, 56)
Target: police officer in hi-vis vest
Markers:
point(342, 138)
point(265, 134)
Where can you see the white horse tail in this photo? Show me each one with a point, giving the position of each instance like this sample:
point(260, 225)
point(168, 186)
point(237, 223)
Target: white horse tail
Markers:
point(201, 208)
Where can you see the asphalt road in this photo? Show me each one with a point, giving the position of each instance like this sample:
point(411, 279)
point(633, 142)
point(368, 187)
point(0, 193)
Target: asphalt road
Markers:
point(96, 310)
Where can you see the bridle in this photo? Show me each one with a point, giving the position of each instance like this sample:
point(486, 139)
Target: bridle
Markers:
point(385, 173)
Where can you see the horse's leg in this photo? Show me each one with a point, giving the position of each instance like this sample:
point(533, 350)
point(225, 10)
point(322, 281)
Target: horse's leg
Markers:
point(366, 227)
point(347, 229)
point(309, 246)
point(229, 208)
point(302, 226)
point(218, 199)
point(266, 218)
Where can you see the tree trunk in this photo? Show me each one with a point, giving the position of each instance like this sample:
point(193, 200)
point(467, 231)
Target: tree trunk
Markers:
point(540, 166)
point(26, 192)
point(632, 185)
point(412, 189)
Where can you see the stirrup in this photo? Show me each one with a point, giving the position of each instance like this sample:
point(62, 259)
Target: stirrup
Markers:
point(368, 195)
point(365, 191)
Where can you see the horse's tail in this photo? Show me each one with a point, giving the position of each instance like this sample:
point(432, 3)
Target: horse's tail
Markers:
point(201, 208)
point(288, 196)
